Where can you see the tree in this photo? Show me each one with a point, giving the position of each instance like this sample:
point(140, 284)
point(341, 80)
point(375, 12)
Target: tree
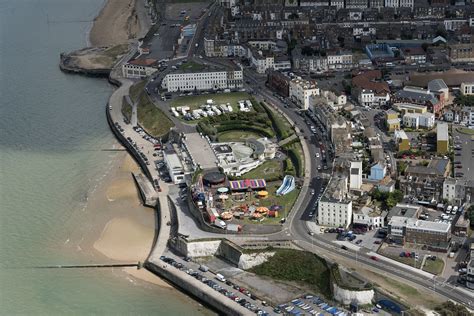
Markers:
point(307, 51)
point(465, 100)
point(449, 308)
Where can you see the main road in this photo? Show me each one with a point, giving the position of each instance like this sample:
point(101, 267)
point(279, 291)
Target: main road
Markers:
point(297, 230)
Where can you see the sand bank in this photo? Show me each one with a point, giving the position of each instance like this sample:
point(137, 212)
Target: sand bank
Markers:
point(116, 23)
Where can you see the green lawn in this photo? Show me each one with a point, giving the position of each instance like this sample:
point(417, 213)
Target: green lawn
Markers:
point(195, 101)
point(269, 170)
point(152, 119)
point(403, 288)
point(192, 66)
point(236, 136)
point(465, 130)
point(435, 267)
point(297, 266)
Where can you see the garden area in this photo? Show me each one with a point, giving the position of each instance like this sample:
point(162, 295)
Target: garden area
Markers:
point(300, 267)
point(195, 101)
point(237, 136)
point(434, 266)
point(152, 119)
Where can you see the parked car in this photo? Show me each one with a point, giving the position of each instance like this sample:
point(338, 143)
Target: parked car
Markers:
point(374, 258)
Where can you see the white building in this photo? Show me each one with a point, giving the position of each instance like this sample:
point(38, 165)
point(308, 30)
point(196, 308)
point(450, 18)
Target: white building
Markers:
point(139, 68)
point(454, 190)
point(407, 3)
point(339, 60)
point(367, 216)
point(335, 208)
point(399, 3)
point(392, 3)
point(339, 4)
point(301, 92)
point(227, 3)
point(261, 60)
point(206, 80)
point(355, 181)
point(371, 98)
point(175, 167)
point(335, 99)
point(417, 120)
point(467, 88)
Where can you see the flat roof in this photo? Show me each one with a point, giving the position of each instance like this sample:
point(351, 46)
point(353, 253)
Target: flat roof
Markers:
point(442, 131)
point(201, 151)
point(428, 225)
point(173, 161)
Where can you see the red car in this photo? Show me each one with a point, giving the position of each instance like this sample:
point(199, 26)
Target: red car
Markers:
point(374, 258)
point(377, 242)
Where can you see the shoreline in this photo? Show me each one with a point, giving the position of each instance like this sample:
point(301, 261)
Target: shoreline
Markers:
point(116, 189)
point(116, 23)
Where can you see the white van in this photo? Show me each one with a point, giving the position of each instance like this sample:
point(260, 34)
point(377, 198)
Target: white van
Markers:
point(220, 277)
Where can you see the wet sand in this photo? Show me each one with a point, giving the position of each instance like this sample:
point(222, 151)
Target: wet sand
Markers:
point(116, 227)
point(116, 23)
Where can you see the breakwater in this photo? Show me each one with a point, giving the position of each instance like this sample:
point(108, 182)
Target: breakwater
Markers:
point(66, 64)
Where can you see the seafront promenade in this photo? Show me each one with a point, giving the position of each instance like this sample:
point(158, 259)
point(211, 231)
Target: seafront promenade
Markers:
point(154, 263)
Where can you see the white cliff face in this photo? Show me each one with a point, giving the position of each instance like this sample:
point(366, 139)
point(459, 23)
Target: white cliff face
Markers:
point(347, 296)
point(203, 249)
point(248, 261)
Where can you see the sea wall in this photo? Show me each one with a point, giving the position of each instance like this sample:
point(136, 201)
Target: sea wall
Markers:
point(197, 289)
point(125, 143)
point(346, 297)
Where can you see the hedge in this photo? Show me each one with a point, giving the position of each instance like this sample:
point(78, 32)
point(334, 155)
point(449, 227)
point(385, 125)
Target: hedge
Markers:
point(297, 162)
point(278, 125)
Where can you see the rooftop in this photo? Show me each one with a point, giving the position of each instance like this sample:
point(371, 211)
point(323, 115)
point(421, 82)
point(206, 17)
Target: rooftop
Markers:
point(428, 225)
point(404, 210)
point(437, 85)
point(400, 134)
point(442, 131)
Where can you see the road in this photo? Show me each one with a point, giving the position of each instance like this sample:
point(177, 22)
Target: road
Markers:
point(296, 227)
point(463, 159)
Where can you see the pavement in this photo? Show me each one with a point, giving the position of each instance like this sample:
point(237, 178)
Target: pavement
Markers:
point(211, 275)
point(467, 154)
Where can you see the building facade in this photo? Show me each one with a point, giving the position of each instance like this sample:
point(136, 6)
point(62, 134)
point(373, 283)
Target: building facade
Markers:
point(467, 88)
point(301, 92)
point(442, 138)
point(206, 80)
point(335, 208)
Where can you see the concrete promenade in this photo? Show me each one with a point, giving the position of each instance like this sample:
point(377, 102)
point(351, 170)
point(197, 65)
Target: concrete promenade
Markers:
point(115, 112)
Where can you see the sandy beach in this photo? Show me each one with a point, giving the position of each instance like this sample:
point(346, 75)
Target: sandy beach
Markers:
point(116, 23)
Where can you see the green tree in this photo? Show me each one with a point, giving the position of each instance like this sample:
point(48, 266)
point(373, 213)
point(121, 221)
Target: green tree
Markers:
point(464, 100)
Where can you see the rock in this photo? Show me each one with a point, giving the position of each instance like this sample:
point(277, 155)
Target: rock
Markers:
point(248, 261)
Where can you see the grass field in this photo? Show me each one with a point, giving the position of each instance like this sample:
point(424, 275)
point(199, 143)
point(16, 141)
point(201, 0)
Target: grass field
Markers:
point(465, 130)
point(195, 101)
point(191, 66)
point(435, 267)
point(152, 119)
point(236, 136)
point(268, 170)
point(297, 266)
